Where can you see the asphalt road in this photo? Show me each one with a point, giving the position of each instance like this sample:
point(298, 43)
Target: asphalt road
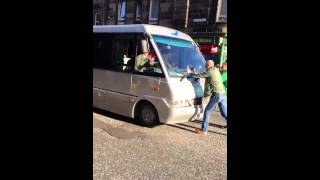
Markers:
point(123, 150)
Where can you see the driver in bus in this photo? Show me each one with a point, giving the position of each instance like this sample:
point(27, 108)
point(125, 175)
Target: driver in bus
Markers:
point(146, 59)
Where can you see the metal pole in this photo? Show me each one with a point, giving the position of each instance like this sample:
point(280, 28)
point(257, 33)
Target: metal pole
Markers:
point(218, 10)
point(209, 15)
point(187, 14)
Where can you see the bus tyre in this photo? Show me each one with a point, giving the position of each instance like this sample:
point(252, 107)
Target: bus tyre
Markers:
point(147, 114)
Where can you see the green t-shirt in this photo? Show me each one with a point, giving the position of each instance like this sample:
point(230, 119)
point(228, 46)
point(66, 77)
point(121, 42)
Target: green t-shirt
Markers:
point(214, 83)
point(224, 77)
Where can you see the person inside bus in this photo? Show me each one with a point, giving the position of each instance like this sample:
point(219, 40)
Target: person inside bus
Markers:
point(146, 59)
point(129, 65)
point(128, 57)
point(215, 89)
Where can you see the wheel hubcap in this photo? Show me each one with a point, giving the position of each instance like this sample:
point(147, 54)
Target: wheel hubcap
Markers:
point(148, 115)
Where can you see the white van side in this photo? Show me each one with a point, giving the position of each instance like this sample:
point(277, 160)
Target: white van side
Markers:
point(156, 92)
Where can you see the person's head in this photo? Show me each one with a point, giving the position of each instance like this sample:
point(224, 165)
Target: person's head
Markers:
point(210, 64)
point(224, 66)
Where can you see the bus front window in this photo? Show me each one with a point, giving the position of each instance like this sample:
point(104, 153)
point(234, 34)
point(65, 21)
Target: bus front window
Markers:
point(179, 54)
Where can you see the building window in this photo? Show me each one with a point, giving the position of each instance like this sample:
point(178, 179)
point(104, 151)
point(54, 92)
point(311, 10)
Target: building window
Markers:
point(121, 11)
point(97, 18)
point(154, 11)
point(138, 11)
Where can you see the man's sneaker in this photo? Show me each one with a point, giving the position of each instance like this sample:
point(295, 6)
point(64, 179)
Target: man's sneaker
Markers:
point(202, 133)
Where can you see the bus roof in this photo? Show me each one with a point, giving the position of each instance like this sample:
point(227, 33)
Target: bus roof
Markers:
point(141, 28)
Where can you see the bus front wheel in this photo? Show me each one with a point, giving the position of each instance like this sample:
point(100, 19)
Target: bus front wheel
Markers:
point(147, 114)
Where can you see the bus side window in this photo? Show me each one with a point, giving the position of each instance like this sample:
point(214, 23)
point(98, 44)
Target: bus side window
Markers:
point(146, 61)
point(102, 46)
point(129, 62)
point(124, 50)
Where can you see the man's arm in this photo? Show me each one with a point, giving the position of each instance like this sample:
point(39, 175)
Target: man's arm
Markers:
point(198, 75)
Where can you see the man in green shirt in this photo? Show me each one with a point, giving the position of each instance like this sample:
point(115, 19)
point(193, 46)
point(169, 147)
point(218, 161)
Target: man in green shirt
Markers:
point(224, 75)
point(213, 87)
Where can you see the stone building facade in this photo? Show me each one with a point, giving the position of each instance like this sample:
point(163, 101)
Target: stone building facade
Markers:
point(184, 15)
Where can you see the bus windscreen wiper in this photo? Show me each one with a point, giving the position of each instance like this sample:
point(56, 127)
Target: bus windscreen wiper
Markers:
point(184, 76)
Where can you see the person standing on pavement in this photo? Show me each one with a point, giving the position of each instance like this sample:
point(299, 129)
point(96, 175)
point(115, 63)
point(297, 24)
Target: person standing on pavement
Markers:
point(215, 88)
point(224, 75)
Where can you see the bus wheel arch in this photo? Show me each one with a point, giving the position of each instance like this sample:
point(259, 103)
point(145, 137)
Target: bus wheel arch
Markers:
point(146, 113)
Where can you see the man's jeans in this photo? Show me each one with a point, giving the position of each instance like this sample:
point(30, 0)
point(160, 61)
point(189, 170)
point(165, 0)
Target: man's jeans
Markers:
point(216, 99)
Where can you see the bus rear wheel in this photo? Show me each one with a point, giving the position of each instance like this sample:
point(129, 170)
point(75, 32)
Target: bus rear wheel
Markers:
point(147, 114)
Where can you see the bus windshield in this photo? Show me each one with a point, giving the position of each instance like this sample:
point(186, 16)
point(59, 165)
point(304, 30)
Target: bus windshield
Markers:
point(178, 55)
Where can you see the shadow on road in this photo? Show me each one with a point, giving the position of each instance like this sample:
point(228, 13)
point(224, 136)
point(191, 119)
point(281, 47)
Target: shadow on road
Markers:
point(119, 117)
point(135, 122)
point(175, 126)
point(211, 124)
point(178, 125)
point(115, 116)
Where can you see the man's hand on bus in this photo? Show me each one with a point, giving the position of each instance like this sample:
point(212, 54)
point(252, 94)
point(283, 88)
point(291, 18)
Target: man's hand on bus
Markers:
point(189, 70)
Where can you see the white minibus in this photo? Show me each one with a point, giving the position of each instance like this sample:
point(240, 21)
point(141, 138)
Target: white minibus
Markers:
point(138, 72)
